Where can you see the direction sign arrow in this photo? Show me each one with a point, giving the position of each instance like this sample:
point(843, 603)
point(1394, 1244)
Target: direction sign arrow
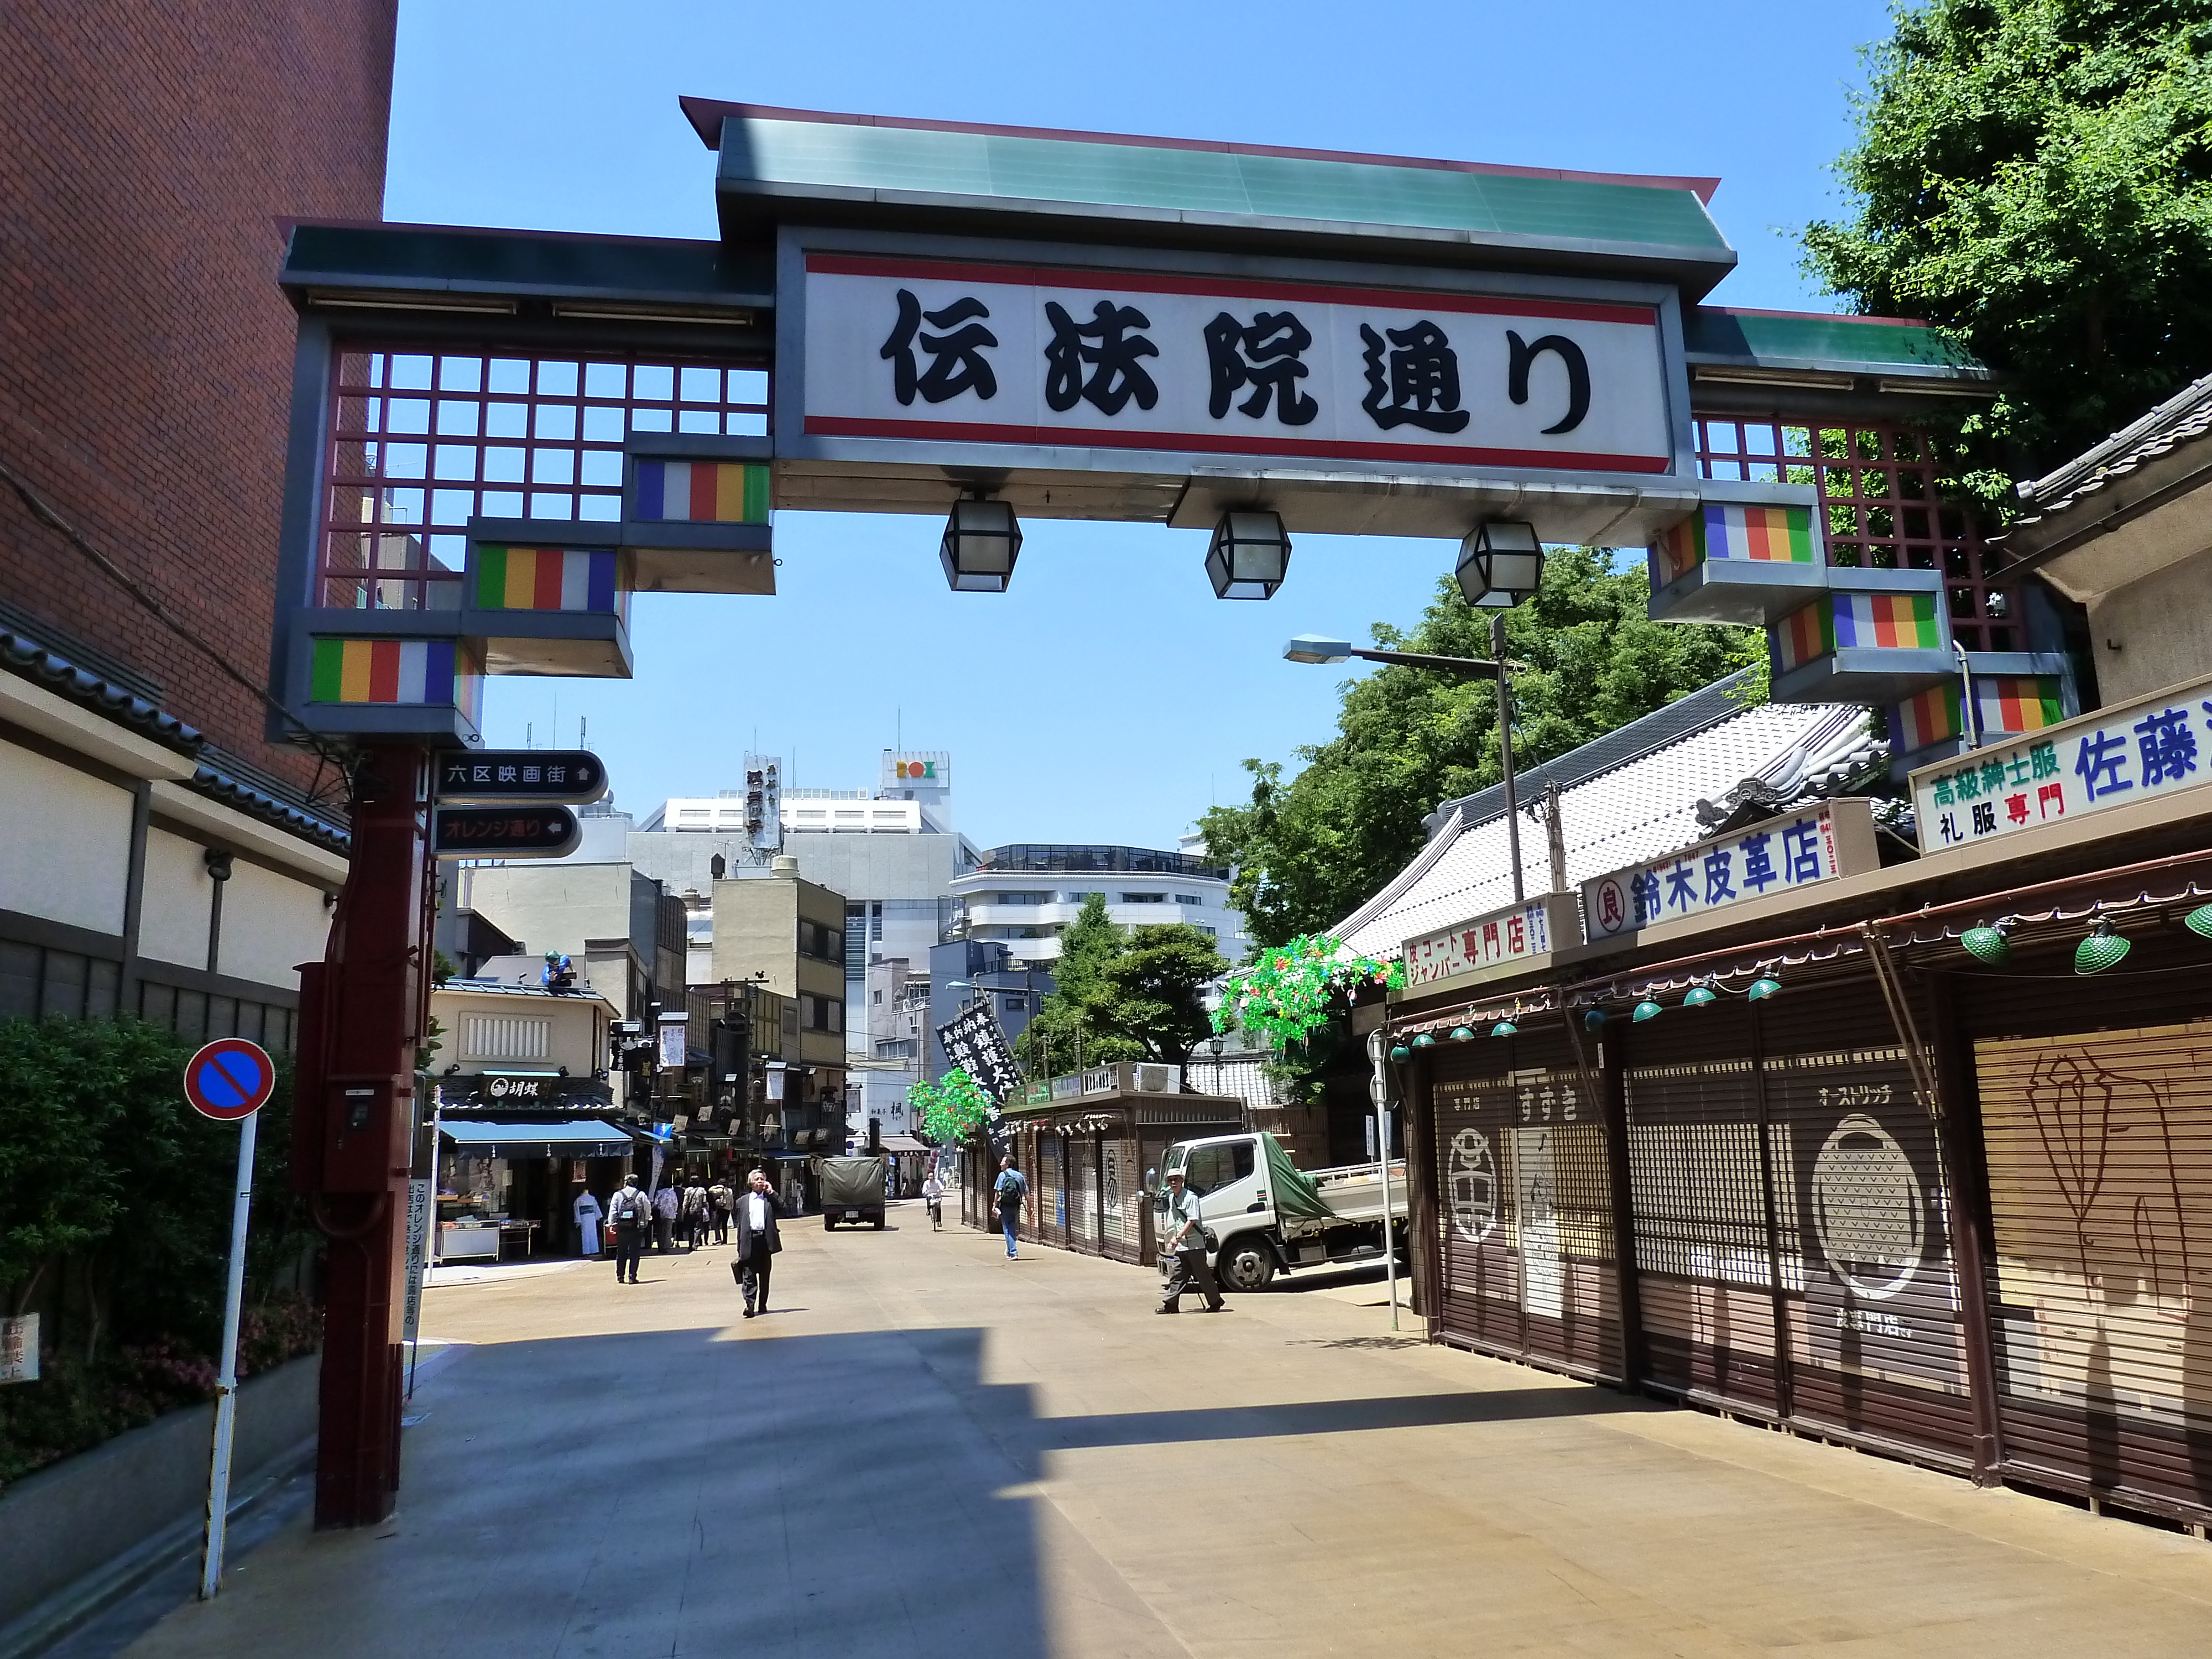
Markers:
point(505, 832)
point(573, 777)
point(229, 1079)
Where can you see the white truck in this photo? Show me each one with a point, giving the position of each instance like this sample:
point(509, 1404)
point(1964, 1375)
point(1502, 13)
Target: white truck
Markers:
point(1268, 1216)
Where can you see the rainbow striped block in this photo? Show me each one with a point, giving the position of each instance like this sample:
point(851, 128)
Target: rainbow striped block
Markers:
point(1936, 715)
point(701, 492)
point(1769, 535)
point(1804, 634)
point(2013, 703)
point(1908, 621)
point(544, 579)
point(427, 672)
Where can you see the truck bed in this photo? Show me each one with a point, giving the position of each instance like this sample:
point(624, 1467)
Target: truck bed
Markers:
point(1354, 1191)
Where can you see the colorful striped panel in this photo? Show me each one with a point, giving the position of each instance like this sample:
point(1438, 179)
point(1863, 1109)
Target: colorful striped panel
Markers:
point(544, 579)
point(701, 492)
point(2013, 703)
point(1906, 621)
point(1772, 534)
point(1802, 635)
point(383, 670)
point(1678, 551)
point(1934, 716)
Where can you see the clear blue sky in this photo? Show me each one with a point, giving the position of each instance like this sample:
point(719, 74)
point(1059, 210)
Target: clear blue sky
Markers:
point(1109, 696)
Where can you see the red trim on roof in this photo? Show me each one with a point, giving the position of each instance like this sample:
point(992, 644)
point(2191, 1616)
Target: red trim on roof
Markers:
point(1817, 316)
point(707, 114)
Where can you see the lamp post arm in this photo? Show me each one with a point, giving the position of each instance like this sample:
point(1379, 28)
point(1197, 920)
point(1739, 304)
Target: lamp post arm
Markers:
point(1471, 668)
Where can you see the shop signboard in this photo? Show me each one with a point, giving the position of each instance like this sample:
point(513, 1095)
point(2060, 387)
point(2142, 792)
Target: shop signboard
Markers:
point(419, 1207)
point(675, 1037)
point(19, 1349)
point(572, 777)
point(1516, 931)
point(1008, 352)
point(975, 1042)
point(1778, 855)
point(2153, 746)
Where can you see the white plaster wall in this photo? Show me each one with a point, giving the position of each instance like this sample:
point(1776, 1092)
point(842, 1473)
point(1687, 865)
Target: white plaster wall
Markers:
point(270, 924)
point(172, 917)
point(2162, 627)
point(64, 843)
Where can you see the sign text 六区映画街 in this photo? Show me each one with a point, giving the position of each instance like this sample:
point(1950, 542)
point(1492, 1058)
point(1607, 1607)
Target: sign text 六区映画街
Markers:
point(902, 347)
point(566, 776)
point(1521, 930)
point(1774, 857)
point(2109, 758)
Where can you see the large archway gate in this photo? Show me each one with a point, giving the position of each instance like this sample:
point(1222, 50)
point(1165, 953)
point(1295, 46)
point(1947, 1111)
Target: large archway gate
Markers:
point(498, 437)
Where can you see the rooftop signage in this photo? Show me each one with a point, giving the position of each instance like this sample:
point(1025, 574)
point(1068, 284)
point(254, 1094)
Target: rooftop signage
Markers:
point(1781, 855)
point(971, 352)
point(2113, 757)
point(1512, 934)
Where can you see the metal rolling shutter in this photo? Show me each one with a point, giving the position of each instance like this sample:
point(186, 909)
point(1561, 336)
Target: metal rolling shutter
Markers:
point(1119, 1220)
point(1082, 1194)
point(1051, 1194)
point(2100, 1151)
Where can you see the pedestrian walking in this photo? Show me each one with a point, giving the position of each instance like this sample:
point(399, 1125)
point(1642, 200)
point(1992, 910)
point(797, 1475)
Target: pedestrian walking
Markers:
point(632, 1212)
point(665, 1209)
point(719, 1197)
point(587, 1212)
point(695, 1214)
point(758, 1241)
point(1010, 1190)
point(1185, 1247)
point(932, 1193)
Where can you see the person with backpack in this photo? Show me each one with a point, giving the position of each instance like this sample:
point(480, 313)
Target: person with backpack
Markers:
point(694, 1215)
point(664, 1210)
point(1010, 1190)
point(720, 1197)
point(631, 1212)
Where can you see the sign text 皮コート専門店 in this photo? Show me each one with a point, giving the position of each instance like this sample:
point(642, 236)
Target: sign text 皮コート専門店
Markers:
point(1519, 930)
point(2151, 746)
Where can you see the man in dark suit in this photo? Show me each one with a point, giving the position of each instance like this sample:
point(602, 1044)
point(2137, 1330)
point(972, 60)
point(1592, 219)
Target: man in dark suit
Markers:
point(757, 1243)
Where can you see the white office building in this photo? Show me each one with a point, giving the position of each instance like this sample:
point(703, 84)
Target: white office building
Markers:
point(1024, 896)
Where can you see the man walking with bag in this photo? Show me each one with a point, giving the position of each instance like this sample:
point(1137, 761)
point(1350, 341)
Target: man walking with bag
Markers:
point(631, 1212)
point(1186, 1246)
point(757, 1244)
point(1009, 1190)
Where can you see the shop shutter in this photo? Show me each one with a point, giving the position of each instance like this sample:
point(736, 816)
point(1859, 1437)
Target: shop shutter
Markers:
point(2100, 1150)
point(1083, 1193)
point(1118, 1197)
point(1525, 1210)
point(1051, 1192)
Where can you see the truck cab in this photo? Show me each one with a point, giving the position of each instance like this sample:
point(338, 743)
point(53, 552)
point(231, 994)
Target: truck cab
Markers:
point(1255, 1240)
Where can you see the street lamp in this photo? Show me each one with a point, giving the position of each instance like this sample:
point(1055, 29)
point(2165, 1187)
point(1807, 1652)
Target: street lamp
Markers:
point(1500, 564)
point(1319, 648)
point(1213, 1046)
point(981, 541)
point(1248, 556)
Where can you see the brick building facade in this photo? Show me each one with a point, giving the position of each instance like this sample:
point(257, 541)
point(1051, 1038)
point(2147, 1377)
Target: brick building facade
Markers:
point(165, 858)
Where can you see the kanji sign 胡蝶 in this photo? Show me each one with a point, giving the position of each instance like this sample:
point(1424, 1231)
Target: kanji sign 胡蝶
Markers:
point(1518, 931)
point(1776, 856)
point(1174, 362)
point(2152, 746)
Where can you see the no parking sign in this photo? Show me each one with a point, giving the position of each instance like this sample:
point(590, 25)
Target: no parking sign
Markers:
point(229, 1079)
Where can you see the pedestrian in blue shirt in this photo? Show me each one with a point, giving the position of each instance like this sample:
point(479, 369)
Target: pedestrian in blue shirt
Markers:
point(1010, 1190)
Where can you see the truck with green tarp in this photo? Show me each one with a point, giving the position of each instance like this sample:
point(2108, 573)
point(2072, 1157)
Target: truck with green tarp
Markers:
point(1268, 1216)
point(851, 1190)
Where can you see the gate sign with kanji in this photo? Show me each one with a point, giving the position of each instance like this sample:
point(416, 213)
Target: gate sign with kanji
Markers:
point(229, 1079)
point(975, 1041)
point(573, 777)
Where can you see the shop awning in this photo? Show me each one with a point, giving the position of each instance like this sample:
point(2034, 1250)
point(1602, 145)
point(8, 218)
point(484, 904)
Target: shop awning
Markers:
point(591, 1138)
point(904, 1144)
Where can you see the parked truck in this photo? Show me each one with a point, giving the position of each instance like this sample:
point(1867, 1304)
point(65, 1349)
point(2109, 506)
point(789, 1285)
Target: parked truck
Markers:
point(851, 1190)
point(1268, 1216)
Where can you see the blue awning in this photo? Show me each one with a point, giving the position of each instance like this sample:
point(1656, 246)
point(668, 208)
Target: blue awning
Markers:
point(591, 1138)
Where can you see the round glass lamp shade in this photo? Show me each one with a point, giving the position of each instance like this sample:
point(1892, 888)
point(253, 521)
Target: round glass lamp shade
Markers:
point(2103, 949)
point(1593, 1020)
point(1504, 1028)
point(1645, 1010)
point(981, 541)
point(1425, 1041)
point(1401, 1053)
point(1461, 1034)
point(1987, 945)
point(1248, 555)
point(1698, 997)
point(1500, 564)
point(2199, 921)
point(1763, 987)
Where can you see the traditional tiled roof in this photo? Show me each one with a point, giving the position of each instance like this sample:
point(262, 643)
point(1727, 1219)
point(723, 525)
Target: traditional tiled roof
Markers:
point(1631, 795)
point(2181, 420)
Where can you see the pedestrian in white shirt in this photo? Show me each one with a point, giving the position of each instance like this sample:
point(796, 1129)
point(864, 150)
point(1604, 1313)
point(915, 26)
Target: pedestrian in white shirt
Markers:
point(758, 1243)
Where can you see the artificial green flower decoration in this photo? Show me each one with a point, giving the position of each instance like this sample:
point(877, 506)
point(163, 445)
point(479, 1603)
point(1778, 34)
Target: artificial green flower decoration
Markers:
point(1291, 989)
point(953, 1108)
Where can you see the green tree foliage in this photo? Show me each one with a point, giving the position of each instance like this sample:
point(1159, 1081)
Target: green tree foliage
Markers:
point(1138, 995)
point(2036, 176)
point(1309, 851)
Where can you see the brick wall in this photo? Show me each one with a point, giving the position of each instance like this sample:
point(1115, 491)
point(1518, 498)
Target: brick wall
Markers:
point(146, 153)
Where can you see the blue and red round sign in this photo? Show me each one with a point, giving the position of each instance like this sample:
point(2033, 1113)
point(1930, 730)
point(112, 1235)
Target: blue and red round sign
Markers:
point(229, 1079)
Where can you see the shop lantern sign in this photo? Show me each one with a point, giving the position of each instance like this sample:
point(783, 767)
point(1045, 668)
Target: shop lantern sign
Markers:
point(974, 352)
point(2113, 757)
point(1781, 855)
point(1512, 934)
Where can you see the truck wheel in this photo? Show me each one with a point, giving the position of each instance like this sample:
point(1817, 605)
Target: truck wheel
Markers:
point(829, 1225)
point(1245, 1264)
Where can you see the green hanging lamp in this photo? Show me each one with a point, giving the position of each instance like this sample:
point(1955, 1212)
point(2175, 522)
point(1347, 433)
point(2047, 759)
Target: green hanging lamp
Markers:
point(1426, 1040)
point(1698, 997)
point(1401, 1053)
point(2103, 949)
point(1763, 987)
point(1645, 1010)
point(1504, 1028)
point(1991, 945)
point(1461, 1034)
point(1593, 1020)
point(2199, 921)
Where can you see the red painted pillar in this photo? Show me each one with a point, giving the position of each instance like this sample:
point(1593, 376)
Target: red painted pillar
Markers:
point(363, 1011)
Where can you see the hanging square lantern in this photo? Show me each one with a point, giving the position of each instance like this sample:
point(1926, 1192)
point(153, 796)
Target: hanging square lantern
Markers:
point(1500, 564)
point(981, 541)
point(1248, 555)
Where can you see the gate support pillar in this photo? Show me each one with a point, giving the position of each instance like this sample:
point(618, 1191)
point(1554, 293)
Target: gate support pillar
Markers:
point(1965, 1173)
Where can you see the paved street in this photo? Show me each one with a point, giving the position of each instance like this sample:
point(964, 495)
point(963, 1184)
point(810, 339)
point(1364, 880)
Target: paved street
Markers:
point(928, 1450)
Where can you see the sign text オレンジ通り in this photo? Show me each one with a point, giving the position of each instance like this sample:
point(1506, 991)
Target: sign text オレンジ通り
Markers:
point(1173, 361)
point(1522, 930)
point(2112, 757)
point(1778, 856)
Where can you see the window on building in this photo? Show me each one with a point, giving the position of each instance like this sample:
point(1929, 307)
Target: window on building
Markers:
point(1188, 898)
point(421, 441)
point(1079, 898)
point(1022, 898)
point(820, 1013)
point(507, 1037)
point(820, 942)
point(1144, 898)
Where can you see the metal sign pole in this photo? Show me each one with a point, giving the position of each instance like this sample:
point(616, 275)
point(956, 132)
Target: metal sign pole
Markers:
point(226, 1405)
point(1378, 1090)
